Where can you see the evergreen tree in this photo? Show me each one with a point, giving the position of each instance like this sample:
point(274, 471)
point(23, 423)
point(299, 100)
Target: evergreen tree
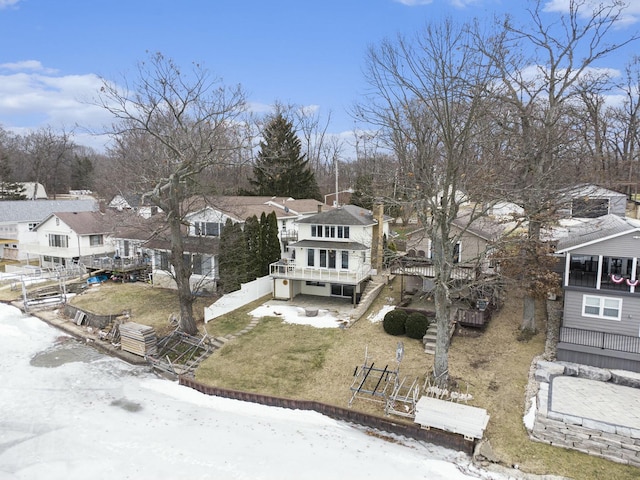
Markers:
point(253, 237)
point(232, 266)
point(272, 252)
point(281, 169)
point(81, 173)
point(363, 192)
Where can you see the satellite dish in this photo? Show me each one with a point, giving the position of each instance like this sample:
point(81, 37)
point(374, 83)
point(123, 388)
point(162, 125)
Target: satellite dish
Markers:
point(286, 209)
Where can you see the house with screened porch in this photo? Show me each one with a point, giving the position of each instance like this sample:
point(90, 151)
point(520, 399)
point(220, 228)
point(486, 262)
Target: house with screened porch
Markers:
point(601, 290)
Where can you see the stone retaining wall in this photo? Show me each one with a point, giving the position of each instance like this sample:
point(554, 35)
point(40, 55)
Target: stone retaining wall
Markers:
point(613, 442)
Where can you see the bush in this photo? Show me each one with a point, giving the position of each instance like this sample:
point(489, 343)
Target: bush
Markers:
point(416, 325)
point(394, 322)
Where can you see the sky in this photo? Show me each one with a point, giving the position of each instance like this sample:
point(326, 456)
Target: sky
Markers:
point(68, 412)
point(307, 53)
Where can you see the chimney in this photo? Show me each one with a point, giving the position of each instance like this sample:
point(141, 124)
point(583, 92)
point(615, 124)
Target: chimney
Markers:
point(319, 208)
point(377, 246)
point(102, 205)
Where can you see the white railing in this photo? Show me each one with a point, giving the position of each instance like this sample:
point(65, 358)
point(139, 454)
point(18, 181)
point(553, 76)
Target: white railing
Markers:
point(291, 271)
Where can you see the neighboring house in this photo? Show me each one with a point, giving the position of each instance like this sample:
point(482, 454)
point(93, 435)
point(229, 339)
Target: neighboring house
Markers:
point(19, 218)
point(333, 256)
point(471, 255)
point(208, 218)
point(601, 319)
point(201, 237)
point(133, 202)
point(592, 201)
point(67, 238)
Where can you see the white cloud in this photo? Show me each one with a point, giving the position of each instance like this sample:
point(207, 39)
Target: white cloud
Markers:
point(8, 3)
point(32, 65)
point(413, 3)
point(630, 15)
point(36, 97)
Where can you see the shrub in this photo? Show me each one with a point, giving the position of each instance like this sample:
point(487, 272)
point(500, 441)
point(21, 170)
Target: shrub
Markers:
point(394, 322)
point(416, 325)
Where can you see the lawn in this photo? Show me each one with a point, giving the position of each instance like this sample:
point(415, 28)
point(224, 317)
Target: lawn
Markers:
point(303, 362)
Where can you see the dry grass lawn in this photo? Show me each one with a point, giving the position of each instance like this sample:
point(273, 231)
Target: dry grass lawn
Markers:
point(300, 361)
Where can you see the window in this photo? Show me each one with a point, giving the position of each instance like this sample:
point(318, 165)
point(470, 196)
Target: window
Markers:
point(343, 232)
point(95, 240)
point(345, 259)
point(330, 232)
point(602, 307)
point(314, 284)
point(208, 229)
point(311, 255)
point(323, 258)
point(61, 241)
point(32, 226)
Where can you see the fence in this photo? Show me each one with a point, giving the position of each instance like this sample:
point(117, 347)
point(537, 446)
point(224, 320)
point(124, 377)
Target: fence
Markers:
point(435, 436)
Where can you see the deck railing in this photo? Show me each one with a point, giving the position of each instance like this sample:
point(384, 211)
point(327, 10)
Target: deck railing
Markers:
point(602, 340)
point(289, 270)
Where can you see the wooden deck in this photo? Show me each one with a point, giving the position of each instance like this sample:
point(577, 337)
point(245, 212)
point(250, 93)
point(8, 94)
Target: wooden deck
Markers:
point(451, 417)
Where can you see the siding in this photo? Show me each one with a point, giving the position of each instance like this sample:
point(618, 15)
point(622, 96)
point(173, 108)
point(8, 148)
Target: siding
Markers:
point(629, 324)
point(622, 246)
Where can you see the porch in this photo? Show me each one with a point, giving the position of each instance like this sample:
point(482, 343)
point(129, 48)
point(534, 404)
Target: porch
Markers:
point(288, 270)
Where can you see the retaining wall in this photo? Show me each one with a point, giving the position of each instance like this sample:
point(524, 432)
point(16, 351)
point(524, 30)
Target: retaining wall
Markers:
point(92, 320)
point(617, 443)
point(433, 435)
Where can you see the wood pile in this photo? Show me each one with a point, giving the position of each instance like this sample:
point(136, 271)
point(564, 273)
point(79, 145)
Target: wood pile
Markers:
point(138, 339)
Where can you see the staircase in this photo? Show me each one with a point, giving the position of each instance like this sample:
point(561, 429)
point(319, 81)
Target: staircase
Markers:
point(429, 339)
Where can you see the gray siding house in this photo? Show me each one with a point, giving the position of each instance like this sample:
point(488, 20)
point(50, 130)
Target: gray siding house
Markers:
point(601, 316)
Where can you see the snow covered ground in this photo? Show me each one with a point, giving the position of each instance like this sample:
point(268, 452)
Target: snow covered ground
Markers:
point(69, 412)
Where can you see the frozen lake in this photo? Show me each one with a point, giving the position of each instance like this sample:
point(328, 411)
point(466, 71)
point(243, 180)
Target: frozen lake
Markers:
point(69, 412)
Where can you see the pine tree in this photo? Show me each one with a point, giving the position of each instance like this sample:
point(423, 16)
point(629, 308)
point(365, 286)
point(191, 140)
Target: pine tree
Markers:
point(232, 266)
point(253, 237)
point(281, 169)
point(363, 192)
point(272, 252)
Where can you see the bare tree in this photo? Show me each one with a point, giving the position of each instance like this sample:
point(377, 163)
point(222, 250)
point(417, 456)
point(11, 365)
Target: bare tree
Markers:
point(535, 95)
point(428, 100)
point(181, 119)
point(48, 155)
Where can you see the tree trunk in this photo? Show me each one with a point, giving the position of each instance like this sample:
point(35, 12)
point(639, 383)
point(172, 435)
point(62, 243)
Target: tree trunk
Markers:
point(441, 361)
point(182, 274)
point(529, 313)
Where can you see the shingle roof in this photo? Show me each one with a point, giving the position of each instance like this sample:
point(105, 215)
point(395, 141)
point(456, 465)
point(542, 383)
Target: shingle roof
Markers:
point(593, 230)
point(16, 211)
point(345, 215)
point(86, 223)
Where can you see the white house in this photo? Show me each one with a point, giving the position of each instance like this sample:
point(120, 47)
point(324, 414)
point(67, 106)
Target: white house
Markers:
point(19, 218)
point(333, 256)
point(66, 238)
point(133, 202)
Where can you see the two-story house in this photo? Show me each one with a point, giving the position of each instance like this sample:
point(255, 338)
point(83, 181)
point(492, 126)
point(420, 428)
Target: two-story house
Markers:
point(19, 218)
point(601, 285)
point(67, 238)
point(333, 256)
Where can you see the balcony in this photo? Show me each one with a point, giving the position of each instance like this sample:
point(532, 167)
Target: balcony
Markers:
point(289, 270)
point(427, 269)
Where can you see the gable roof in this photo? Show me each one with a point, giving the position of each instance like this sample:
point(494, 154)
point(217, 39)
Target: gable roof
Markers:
point(588, 231)
point(84, 223)
point(344, 215)
point(16, 211)
point(242, 207)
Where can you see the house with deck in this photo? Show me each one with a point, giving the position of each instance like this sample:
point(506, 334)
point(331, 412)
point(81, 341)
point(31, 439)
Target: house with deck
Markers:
point(601, 290)
point(335, 254)
point(64, 239)
point(474, 243)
